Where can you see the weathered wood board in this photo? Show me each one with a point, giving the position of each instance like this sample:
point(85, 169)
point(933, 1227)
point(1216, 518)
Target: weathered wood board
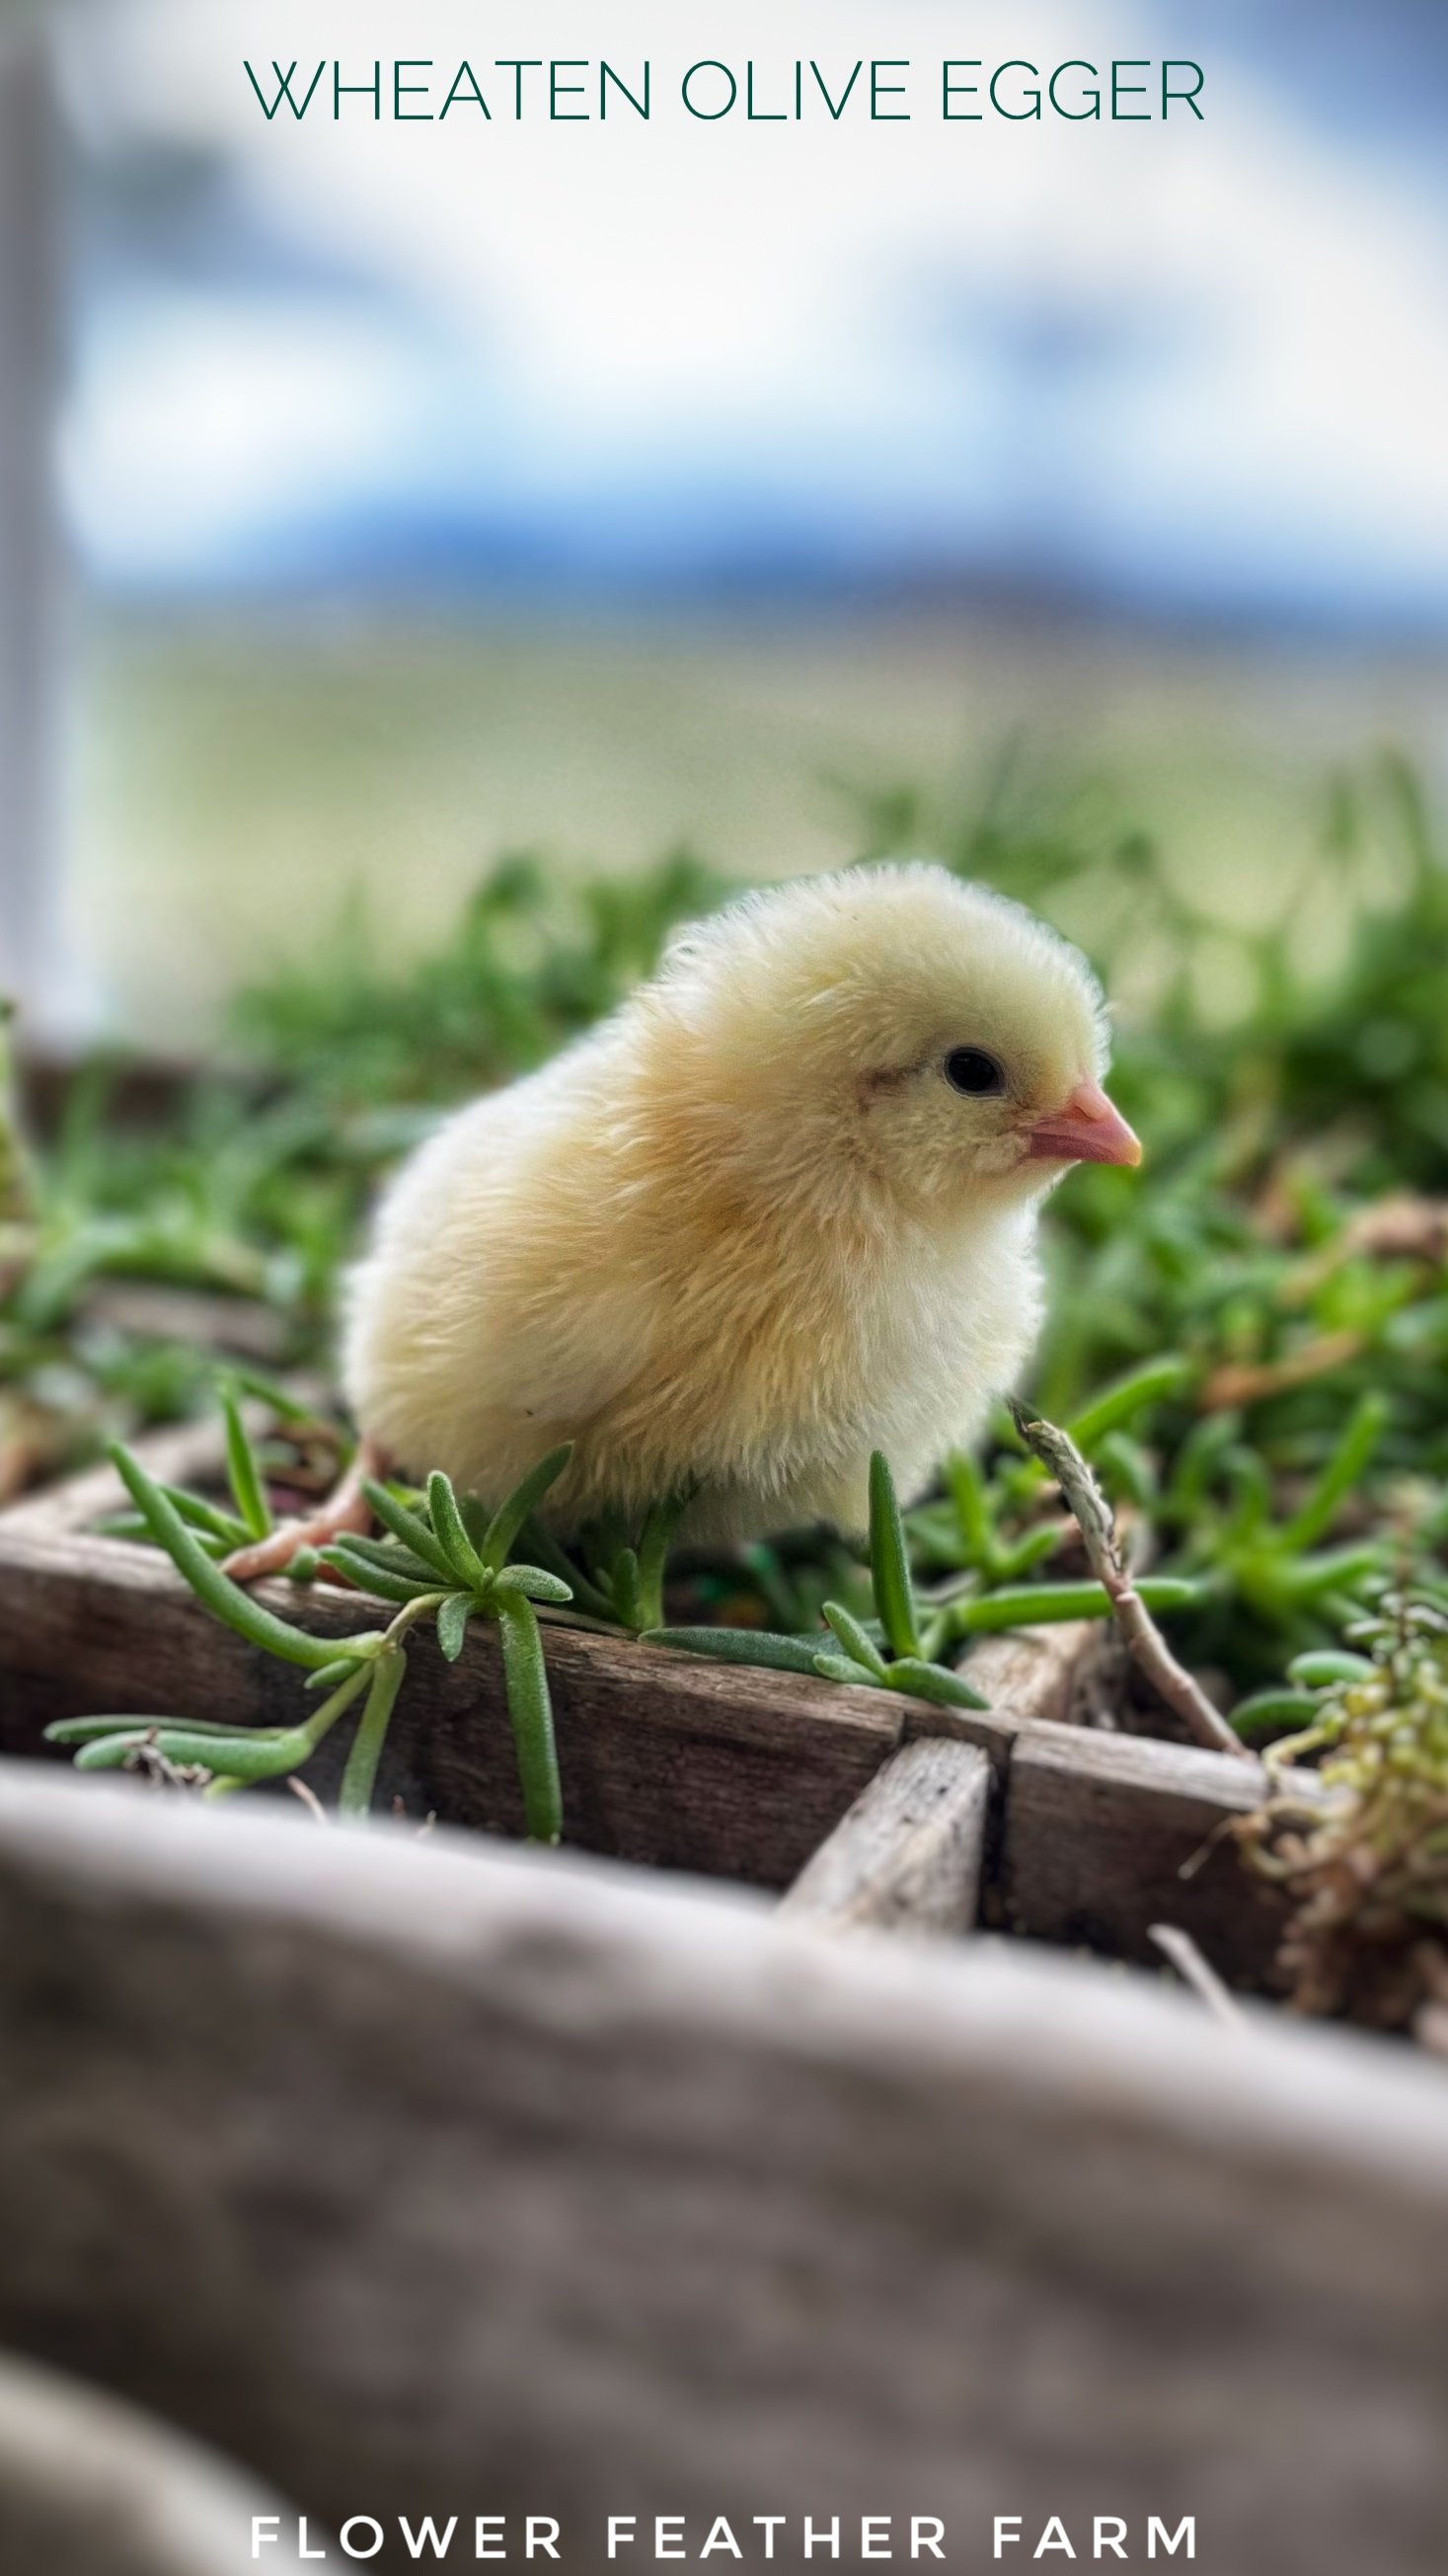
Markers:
point(910, 1854)
point(435, 2177)
point(90, 2487)
point(667, 1760)
point(1105, 1835)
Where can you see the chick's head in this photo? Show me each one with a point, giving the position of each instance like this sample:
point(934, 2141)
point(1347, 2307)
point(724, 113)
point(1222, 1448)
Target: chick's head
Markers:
point(887, 1036)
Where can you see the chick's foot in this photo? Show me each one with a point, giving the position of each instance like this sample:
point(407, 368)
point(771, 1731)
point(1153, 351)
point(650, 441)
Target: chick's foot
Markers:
point(346, 1508)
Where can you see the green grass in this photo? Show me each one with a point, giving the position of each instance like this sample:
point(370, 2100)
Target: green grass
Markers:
point(1262, 1385)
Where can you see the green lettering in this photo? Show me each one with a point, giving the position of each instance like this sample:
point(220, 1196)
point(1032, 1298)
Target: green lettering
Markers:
point(606, 73)
point(1077, 115)
point(950, 89)
point(284, 90)
point(710, 114)
point(402, 89)
point(566, 89)
point(472, 96)
point(888, 89)
point(1183, 97)
point(1017, 115)
point(1121, 89)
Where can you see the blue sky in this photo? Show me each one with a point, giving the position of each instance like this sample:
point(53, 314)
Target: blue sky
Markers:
point(1201, 371)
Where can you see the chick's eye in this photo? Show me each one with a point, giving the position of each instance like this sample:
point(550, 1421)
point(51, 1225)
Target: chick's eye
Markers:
point(971, 1070)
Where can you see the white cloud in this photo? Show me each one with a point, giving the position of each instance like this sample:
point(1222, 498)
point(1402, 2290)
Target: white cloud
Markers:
point(805, 312)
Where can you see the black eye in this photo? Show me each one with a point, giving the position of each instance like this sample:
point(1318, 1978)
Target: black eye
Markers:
point(970, 1069)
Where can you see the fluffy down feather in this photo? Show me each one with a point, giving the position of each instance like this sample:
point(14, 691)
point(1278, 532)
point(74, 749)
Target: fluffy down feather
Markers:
point(748, 1230)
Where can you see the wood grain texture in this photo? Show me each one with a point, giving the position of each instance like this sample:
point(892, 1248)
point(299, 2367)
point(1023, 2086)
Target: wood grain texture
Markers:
point(1107, 1834)
point(908, 1856)
point(1036, 1672)
point(666, 1760)
point(439, 2177)
point(1029, 1675)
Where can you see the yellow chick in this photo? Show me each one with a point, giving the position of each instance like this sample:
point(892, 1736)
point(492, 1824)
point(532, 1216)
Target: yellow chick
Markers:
point(778, 1211)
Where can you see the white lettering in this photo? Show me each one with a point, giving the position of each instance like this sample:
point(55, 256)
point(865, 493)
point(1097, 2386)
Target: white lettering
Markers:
point(359, 2522)
point(1186, 2530)
point(427, 2535)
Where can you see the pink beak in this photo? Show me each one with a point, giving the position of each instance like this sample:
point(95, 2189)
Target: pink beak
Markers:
point(1089, 1129)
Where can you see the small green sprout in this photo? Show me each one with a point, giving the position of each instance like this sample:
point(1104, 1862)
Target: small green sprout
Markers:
point(428, 1566)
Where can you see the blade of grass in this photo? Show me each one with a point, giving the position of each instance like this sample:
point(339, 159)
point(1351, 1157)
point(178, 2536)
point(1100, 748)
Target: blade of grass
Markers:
point(856, 1644)
point(262, 1753)
point(657, 1537)
point(369, 1577)
point(1345, 1468)
point(359, 1779)
point(87, 1730)
point(223, 1598)
point(411, 1529)
point(452, 1537)
point(201, 1515)
point(738, 1646)
point(390, 1557)
point(508, 1519)
point(626, 1588)
point(243, 1473)
point(933, 1682)
point(531, 1711)
point(1127, 1396)
point(889, 1562)
point(534, 1583)
point(453, 1615)
point(1027, 1605)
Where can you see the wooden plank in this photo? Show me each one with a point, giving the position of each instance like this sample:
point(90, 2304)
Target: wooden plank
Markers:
point(437, 2177)
point(1036, 1672)
point(89, 2487)
point(666, 1760)
point(908, 1855)
point(1030, 1675)
point(1107, 1834)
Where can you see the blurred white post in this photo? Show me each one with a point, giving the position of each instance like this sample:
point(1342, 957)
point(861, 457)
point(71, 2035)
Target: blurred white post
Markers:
point(30, 349)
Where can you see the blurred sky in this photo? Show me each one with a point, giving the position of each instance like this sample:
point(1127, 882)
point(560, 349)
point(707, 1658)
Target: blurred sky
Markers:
point(1194, 369)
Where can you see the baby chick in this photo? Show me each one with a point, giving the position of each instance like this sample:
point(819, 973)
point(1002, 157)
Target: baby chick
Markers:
point(778, 1211)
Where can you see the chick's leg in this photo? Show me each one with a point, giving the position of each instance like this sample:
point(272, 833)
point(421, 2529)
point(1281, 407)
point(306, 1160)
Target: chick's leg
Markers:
point(346, 1508)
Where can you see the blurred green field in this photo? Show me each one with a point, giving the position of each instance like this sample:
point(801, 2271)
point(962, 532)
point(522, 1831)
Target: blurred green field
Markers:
point(237, 785)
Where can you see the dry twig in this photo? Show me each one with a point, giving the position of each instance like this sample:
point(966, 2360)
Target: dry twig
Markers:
point(1057, 1451)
